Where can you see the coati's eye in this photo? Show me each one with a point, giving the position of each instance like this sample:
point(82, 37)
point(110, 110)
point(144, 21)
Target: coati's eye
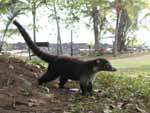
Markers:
point(98, 61)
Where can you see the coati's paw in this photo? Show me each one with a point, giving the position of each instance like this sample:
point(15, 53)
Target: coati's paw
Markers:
point(87, 93)
point(63, 87)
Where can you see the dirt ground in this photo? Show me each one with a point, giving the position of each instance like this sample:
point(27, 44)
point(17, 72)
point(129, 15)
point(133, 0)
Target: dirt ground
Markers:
point(19, 92)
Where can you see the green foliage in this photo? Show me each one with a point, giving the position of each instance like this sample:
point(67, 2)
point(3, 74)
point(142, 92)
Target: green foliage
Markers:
point(25, 87)
point(12, 11)
point(25, 92)
point(71, 12)
point(133, 42)
point(90, 45)
point(41, 64)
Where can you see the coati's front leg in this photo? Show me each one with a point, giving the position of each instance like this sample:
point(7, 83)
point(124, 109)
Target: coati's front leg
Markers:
point(83, 88)
point(86, 89)
point(86, 86)
point(90, 88)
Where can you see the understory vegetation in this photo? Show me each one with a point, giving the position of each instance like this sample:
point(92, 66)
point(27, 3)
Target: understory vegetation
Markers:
point(116, 93)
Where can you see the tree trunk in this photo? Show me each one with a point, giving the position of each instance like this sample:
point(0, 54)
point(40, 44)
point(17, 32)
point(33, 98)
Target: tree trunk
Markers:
point(34, 22)
point(1, 45)
point(115, 44)
point(123, 26)
point(59, 44)
point(95, 26)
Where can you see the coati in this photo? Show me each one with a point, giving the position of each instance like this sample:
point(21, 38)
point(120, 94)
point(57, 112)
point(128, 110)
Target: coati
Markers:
point(67, 67)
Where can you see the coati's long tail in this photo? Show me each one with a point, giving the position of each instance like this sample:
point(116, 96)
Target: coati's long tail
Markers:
point(44, 56)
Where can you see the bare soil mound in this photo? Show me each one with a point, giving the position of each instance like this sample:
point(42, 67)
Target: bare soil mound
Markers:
point(19, 91)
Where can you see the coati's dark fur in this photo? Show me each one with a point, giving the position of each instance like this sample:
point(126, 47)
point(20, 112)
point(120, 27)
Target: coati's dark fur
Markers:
point(67, 67)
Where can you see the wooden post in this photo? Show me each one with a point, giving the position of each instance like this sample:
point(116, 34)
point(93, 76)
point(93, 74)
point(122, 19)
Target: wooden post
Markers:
point(71, 43)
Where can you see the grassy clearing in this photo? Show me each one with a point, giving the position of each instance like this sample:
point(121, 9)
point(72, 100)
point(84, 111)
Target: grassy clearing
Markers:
point(125, 91)
point(138, 64)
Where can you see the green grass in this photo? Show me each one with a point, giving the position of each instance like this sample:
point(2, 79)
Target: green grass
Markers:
point(141, 63)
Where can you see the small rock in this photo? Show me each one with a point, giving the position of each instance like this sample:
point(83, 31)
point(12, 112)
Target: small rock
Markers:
point(11, 66)
point(26, 86)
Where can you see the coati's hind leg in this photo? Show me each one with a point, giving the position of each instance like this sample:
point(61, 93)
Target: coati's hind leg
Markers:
point(62, 82)
point(50, 75)
point(47, 77)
